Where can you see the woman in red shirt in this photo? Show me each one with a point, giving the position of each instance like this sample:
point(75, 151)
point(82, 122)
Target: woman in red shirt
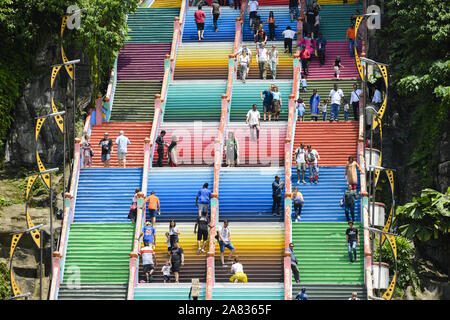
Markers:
point(200, 21)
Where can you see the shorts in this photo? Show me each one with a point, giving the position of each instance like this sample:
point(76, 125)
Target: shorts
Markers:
point(301, 166)
point(176, 266)
point(148, 268)
point(240, 276)
point(121, 155)
point(253, 14)
point(148, 244)
point(222, 246)
point(202, 234)
point(166, 278)
point(106, 157)
point(276, 106)
point(151, 213)
point(267, 107)
point(203, 206)
point(200, 26)
point(293, 10)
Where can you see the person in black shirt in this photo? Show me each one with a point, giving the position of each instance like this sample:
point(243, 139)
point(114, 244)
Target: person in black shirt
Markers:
point(107, 147)
point(352, 240)
point(160, 148)
point(176, 259)
point(202, 223)
point(276, 195)
point(310, 20)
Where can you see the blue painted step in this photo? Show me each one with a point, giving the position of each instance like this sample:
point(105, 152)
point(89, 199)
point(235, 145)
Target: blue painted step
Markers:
point(177, 189)
point(322, 199)
point(226, 25)
point(104, 195)
point(246, 194)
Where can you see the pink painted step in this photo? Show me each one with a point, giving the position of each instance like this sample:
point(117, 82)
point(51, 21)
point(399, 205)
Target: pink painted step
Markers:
point(333, 49)
point(142, 61)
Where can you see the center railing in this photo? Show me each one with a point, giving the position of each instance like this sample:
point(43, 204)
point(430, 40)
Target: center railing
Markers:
point(149, 143)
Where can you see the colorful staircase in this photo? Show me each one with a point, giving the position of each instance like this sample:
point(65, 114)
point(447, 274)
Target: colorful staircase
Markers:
point(177, 189)
point(136, 132)
point(195, 146)
point(335, 20)
point(248, 291)
point(194, 100)
point(166, 291)
point(260, 250)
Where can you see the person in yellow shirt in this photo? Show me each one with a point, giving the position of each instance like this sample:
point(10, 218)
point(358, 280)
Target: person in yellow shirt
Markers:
point(153, 206)
point(297, 198)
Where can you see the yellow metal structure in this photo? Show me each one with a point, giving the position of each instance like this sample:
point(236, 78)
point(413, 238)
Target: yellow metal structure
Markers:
point(15, 239)
point(384, 73)
point(358, 61)
point(390, 290)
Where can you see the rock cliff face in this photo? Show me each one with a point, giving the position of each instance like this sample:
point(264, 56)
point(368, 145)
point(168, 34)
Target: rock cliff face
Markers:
point(36, 101)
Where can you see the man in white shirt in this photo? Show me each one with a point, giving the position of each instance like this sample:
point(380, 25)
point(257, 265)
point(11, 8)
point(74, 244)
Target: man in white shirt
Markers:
point(300, 158)
point(224, 235)
point(148, 262)
point(252, 9)
point(254, 121)
point(312, 156)
point(354, 101)
point(376, 99)
point(122, 143)
point(288, 38)
point(335, 96)
point(263, 61)
point(238, 272)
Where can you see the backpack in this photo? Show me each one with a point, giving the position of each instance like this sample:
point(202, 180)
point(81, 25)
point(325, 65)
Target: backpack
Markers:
point(311, 157)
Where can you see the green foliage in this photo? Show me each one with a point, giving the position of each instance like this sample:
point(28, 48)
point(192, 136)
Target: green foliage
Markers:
point(5, 288)
point(405, 270)
point(426, 217)
point(417, 37)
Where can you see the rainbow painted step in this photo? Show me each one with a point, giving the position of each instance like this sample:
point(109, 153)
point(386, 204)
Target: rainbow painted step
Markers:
point(248, 291)
point(166, 291)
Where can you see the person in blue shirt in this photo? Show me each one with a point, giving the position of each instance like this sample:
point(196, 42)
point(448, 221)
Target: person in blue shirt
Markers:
point(314, 102)
point(294, 263)
point(202, 200)
point(301, 295)
point(276, 195)
point(267, 102)
point(149, 234)
point(320, 45)
point(122, 143)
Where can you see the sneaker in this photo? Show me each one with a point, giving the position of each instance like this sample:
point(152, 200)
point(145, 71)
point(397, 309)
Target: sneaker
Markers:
point(201, 250)
point(224, 265)
point(198, 251)
point(298, 181)
point(303, 181)
point(296, 220)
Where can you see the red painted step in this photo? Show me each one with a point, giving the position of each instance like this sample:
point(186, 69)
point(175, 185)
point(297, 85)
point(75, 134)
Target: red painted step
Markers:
point(267, 151)
point(195, 144)
point(335, 142)
point(142, 61)
point(136, 132)
point(333, 49)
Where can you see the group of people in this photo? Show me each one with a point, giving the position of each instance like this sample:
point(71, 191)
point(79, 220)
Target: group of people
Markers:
point(175, 251)
point(172, 154)
point(107, 148)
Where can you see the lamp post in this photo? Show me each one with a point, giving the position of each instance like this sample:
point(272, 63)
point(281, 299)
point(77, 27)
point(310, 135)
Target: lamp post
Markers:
point(27, 294)
point(65, 133)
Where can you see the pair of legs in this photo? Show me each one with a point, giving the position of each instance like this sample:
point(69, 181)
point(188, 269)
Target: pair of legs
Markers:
point(273, 69)
point(313, 173)
point(337, 71)
point(324, 116)
point(222, 246)
point(267, 109)
point(350, 211)
point(262, 69)
point(355, 106)
point(243, 70)
point(105, 159)
point(200, 30)
point(334, 112)
point(252, 16)
point(202, 234)
point(122, 159)
point(215, 18)
point(160, 151)
point(276, 203)
point(297, 209)
point(253, 128)
point(203, 207)
point(321, 57)
point(237, 3)
point(276, 109)
point(272, 31)
point(176, 270)
point(152, 215)
point(295, 271)
point(301, 166)
point(148, 270)
point(352, 247)
point(288, 45)
point(305, 66)
point(294, 13)
point(352, 44)
point(345, 115)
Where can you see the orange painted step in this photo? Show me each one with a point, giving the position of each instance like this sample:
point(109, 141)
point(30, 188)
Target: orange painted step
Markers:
point(136, 132)
point(335, 142)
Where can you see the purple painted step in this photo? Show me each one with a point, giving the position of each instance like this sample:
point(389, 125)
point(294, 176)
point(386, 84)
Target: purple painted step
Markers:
point(333, 49)
point(142, 61)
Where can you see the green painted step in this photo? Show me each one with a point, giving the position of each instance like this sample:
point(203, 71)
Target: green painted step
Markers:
point(323, 89)
point(134, 101)
point(194, 100)
point(322, 254)
point(98, 253)
point(244, 95)
point(335, 20)
point(93, 292)
point(152, 25)
point(330, 291)
point(167, 292)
